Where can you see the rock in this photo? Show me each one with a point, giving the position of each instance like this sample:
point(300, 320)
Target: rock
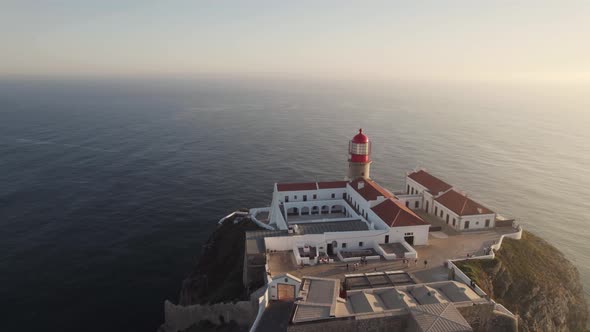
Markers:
point(534, 280)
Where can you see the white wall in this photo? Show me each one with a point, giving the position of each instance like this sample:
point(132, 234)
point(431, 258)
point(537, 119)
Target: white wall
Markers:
point(321, 194)
point(478, 221)
point(475, 221)
point(420, 233)
point(418, 188)
point(362, 204)
point(273, 289)
point(446, 211)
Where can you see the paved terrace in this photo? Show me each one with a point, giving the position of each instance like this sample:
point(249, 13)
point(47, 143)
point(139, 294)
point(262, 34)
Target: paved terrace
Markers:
point(441, 247)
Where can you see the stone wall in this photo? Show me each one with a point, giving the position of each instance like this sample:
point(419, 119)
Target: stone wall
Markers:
point(376, 323)
point(483, 317)
point(179, 318)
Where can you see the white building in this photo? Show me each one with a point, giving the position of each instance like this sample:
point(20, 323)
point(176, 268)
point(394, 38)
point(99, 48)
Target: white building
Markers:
point(436, 197)
point(342, 220)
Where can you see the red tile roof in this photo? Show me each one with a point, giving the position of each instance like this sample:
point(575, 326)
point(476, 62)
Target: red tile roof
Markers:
point(371, 190)
point(332, 184)
point(396, 214)
point(296, 186)
point(432, 183)
point(461, 204)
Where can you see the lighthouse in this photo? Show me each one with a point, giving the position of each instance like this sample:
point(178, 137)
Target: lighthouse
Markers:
point(359, 160)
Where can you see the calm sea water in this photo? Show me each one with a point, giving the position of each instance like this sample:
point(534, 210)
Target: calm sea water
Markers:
point(109, 188)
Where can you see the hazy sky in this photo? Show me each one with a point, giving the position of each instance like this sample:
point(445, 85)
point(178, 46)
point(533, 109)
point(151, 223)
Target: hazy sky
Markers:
point(534, 40)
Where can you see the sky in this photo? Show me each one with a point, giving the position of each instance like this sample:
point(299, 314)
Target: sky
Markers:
point(448, 40)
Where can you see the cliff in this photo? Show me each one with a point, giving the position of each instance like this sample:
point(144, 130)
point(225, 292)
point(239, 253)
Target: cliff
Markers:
point(534, 280)
point(217, 275)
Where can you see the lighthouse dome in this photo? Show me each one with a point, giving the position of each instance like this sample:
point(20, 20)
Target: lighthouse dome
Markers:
point(360, 137)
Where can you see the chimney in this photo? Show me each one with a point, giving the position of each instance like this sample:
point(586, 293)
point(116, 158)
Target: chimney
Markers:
point(361, 185)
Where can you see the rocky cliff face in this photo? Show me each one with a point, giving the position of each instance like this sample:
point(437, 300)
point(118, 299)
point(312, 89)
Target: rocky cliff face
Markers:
point(533, 279)
point(217, 276)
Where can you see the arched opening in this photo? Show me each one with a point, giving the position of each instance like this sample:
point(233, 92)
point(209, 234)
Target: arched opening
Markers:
point(337, 209)
point(325, 209)
point(315, 210)
point(304, 211)
point(293, 211)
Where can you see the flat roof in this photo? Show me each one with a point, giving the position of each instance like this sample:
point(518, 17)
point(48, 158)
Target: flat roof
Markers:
point(318, 299)
point(261, 234)
point(328, 227)
point(377, 280)
point(311, 185)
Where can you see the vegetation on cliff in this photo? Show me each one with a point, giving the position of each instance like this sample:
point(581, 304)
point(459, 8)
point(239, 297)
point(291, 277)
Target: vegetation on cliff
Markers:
point(533, 279)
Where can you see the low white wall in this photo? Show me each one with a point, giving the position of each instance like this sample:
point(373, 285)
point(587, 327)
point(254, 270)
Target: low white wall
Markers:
point(459, 275)
point(411, 253)
point(255, 211)
point(382, 252)
point(355, 259)
point(241, 213)
point(262, 304)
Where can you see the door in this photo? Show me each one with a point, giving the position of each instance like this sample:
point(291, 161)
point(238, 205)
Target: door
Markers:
point(330, 249)
point(386, 238)
point(285, 292)
point(409, 239)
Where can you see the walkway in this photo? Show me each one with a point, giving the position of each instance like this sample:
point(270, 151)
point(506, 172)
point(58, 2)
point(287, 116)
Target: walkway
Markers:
point(436, 253)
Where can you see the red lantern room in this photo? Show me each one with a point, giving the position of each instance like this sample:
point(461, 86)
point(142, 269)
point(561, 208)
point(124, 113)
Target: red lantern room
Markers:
point(359, 162)
point(359, 148)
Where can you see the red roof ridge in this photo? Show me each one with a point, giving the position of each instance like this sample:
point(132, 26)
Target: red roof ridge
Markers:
point(461, 204)
point(429, 181)
point(464, 204)
point(395, 214)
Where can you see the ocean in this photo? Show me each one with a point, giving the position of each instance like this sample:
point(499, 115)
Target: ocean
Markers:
point(109, 188)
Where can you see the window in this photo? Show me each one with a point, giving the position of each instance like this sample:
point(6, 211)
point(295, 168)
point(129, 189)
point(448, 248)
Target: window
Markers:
point(412, 191)
point(435, 210)
point(441, 213)
point(408, 189)
point(360, 244)
point(487, 222)
point(315, 196)
point(386, 238)
point(447, 218)
point(343, 195)
point(343, 245)
point(363, 174)
point(409, 234)
point(407, 204)
point(334, 195)
point(286, 198)
point(417, 204)
point(304, 198)
point(295, 197)
point(467, 224)
point(453, 221)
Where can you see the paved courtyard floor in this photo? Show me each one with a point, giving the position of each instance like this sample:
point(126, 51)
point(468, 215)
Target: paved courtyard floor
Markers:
point(439, 249)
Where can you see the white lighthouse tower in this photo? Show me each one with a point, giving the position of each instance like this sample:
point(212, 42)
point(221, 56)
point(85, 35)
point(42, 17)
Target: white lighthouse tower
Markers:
point(359, 160)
